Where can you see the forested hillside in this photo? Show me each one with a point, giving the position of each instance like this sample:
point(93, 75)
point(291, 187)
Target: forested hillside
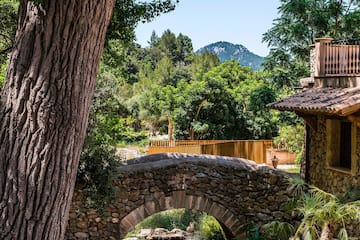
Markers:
point(228, 51)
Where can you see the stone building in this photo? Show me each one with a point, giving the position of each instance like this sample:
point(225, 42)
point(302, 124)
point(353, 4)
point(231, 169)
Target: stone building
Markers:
point(330, 106)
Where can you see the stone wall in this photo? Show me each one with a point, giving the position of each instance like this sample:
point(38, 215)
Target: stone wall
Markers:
point(235, 191)
point(321, 175)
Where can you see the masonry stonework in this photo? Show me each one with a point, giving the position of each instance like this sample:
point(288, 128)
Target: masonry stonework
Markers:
point(235, 191)
point(321, 175)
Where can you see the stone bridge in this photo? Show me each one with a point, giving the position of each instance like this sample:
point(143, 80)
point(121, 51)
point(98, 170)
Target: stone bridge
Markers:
point(233, 190)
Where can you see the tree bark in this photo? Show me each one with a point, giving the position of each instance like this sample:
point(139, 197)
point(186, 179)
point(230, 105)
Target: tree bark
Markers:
point(44, 110)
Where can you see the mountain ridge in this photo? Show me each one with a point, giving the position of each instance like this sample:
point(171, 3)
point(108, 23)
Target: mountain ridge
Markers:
point(228, 51)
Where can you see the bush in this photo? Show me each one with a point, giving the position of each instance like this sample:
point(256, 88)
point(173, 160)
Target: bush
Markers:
point(2, 74)
point(177, 218)
point(291, 138)
point(97, 171)
point(252, 231)
point(210, 228)
point(298, 157)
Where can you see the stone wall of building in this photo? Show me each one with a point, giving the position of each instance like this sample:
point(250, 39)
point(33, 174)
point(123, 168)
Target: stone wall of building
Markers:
point(321, 175)
point(235, 191)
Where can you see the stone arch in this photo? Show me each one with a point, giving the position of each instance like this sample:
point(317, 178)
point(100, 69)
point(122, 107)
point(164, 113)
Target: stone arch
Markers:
point(233, 190)
point(179, 199)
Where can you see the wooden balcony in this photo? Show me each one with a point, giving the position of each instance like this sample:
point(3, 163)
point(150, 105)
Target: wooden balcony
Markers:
point(336, 58)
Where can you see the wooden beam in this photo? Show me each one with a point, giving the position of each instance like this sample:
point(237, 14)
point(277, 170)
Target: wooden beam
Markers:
point(310, 120)
point(354, 119)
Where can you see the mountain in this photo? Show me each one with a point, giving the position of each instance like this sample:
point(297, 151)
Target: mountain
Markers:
point(227, 51)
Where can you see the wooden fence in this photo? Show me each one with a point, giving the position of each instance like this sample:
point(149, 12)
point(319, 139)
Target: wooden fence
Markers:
point(174, 143)
point(250, 149)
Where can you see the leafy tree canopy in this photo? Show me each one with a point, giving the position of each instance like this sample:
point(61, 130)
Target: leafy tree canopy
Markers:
point(8, 20)
point(298, 24)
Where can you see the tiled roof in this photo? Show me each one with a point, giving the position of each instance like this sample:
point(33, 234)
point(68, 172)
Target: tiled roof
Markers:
point(333, 101)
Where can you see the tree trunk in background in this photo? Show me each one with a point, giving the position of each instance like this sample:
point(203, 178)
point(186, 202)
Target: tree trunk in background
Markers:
point(170, 129)
point(44, 111)
point(326, 232)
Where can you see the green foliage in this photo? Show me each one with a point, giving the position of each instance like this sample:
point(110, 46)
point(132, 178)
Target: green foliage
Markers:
point(177, 218)
point(2, 73)
point(278, 230)
point(321, 213)
point(291, 138)
point(206, 110)
point(178, 49)
point(261, 121)
point(167, 84)
point(97, 171)
point(8, 24)
point(353, 194)
point(128, 13)
point(284, 69)
point(228, 101)
point(298, 24)
point(210, 228)
point(203, 63)
point(320, 209)
point(252, 231)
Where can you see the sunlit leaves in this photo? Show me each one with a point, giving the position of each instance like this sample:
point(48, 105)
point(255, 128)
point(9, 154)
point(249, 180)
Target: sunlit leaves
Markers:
point(8, 21)
point(128, 13)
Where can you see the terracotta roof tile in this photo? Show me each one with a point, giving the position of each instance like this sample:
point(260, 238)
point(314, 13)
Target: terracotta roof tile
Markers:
point(334, 101)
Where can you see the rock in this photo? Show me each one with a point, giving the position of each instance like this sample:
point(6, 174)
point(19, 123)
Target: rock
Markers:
point(82, 225)
point(191, 227)
point(146, 232)
point(81, 235)
point(72, 215)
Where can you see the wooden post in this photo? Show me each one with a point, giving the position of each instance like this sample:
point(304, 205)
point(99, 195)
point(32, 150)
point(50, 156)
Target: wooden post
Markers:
point(320, 54)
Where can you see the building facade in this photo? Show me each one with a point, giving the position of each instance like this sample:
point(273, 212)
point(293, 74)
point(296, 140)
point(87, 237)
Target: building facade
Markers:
point(330, 106)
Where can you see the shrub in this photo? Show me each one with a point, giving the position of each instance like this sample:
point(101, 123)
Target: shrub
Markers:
point(210, 228)
point(177, 218)
point(97, 170)
point(291, 138)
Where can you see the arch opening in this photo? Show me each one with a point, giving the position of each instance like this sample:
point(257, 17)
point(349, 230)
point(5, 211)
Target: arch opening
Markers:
point(180, 224)
point(229, 222)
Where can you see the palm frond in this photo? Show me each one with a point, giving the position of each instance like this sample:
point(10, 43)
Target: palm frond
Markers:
point(280, 230)
point(343, 235)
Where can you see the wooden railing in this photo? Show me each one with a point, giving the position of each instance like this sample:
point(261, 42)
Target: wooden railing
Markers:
point(334, 59)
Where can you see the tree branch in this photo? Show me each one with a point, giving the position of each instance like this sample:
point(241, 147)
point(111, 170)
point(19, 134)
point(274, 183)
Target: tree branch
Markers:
point(6, 50)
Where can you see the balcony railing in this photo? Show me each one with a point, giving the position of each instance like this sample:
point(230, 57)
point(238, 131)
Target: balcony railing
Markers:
point(336, 58)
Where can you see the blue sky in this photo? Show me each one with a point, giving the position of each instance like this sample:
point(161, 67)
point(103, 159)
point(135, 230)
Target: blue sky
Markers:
point(207, 21)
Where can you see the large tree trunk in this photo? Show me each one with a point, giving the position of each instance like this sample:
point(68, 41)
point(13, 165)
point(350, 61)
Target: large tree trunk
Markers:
point(44, 111)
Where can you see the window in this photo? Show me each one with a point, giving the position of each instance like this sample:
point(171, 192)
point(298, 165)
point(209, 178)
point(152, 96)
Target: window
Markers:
point(345, 145)
point(340, 145)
